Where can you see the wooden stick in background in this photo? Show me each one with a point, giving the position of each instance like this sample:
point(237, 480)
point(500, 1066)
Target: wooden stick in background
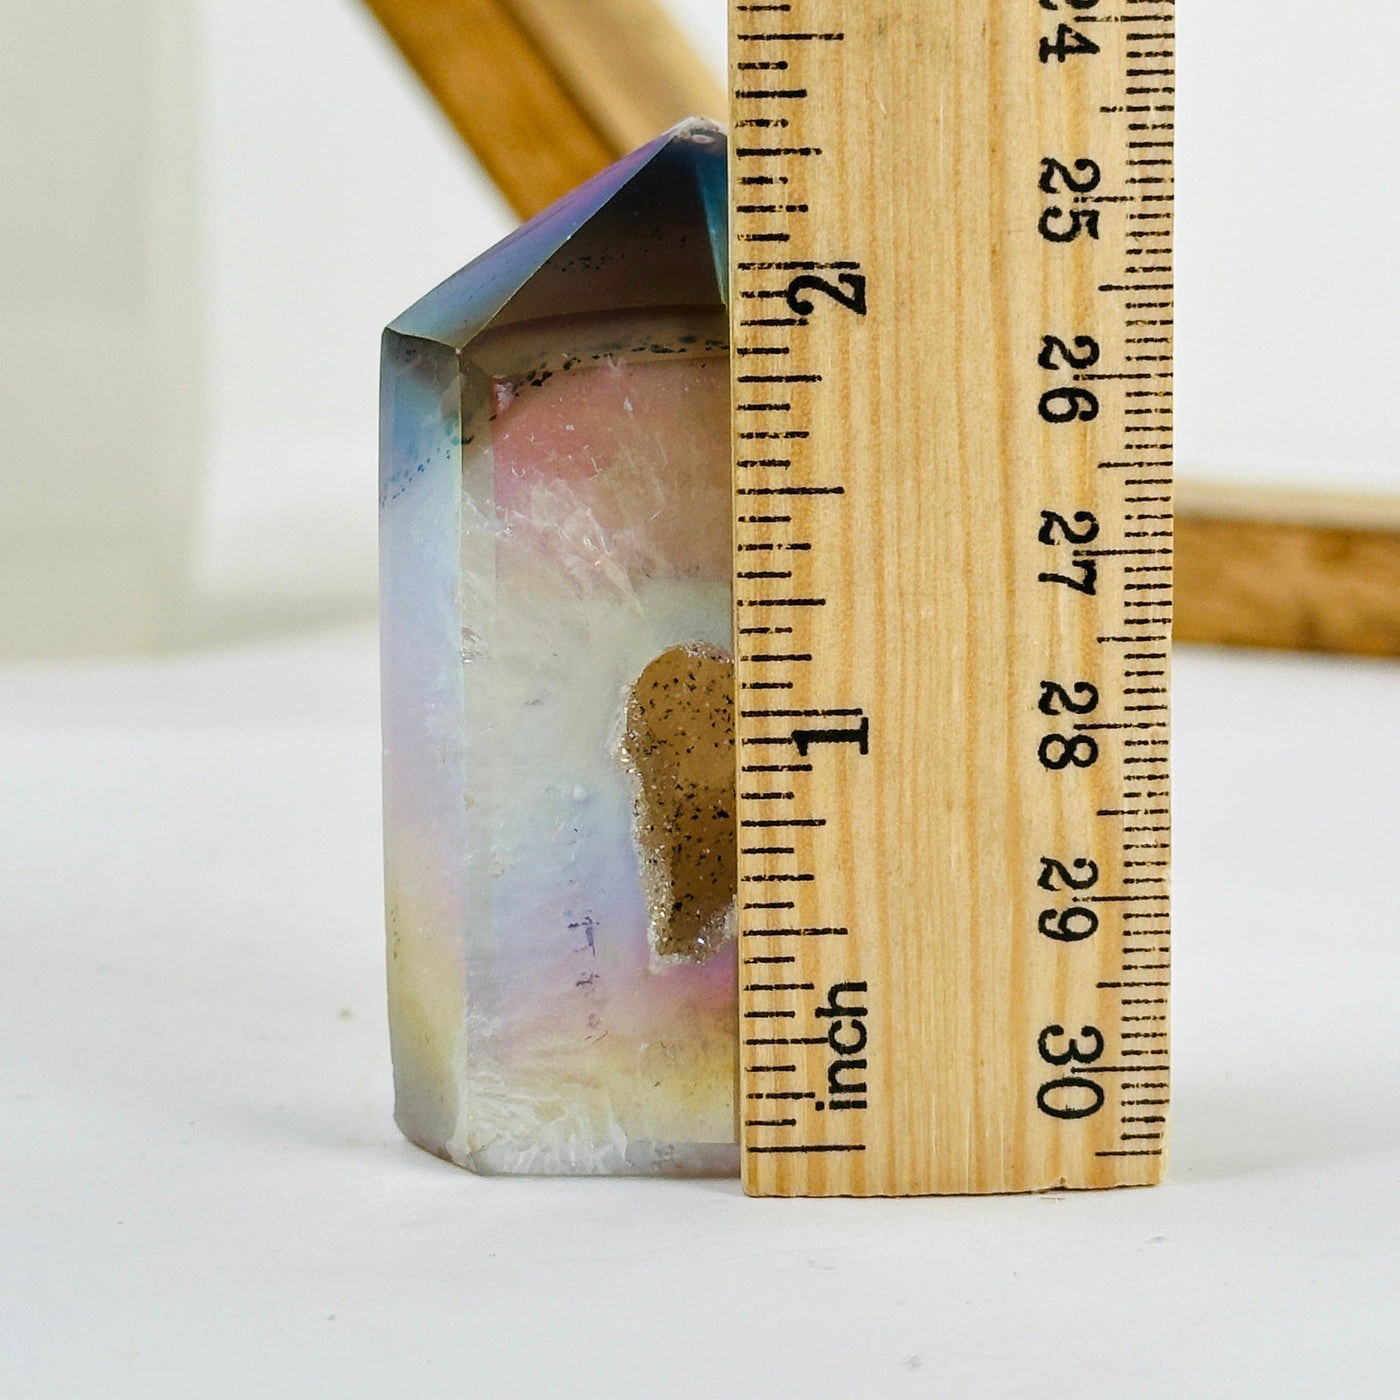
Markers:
point(627, 64)
point(549, 92)
point(1301, 570)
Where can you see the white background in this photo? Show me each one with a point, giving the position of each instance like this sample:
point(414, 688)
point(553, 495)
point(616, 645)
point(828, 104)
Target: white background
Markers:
point(201, 1190)
point(202, 1193)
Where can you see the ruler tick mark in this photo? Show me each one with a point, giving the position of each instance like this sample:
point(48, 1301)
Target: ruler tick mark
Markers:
point(813, 1147)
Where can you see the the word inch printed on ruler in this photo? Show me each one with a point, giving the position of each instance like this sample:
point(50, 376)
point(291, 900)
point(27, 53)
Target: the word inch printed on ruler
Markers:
point(951, 229)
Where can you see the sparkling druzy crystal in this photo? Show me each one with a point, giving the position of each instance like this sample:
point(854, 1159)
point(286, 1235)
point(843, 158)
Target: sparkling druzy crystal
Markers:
point(558, 737)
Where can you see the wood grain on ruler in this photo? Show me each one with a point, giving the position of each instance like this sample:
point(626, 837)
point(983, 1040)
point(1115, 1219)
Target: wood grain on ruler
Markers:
point(1300, 570)
point(951, 266)
point(549, 92)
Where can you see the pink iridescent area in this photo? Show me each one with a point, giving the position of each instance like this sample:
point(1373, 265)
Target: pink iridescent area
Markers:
point(584, 474)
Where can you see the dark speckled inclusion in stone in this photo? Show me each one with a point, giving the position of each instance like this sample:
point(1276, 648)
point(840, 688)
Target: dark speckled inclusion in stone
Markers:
point(679, 740)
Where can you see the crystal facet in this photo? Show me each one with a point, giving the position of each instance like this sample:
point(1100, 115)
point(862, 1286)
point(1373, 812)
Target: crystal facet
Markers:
point(557, 687)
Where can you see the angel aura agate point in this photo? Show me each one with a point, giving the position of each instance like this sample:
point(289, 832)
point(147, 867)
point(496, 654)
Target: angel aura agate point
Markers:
point(558, 776)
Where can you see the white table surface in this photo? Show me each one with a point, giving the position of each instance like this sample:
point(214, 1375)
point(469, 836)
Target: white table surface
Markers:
point(202, 1193)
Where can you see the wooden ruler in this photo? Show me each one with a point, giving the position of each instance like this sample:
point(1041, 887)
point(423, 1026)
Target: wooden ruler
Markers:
point(952, 297)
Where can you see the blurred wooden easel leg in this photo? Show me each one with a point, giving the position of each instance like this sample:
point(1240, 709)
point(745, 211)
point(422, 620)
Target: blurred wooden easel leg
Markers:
point(1301, 570)
point(549, 92)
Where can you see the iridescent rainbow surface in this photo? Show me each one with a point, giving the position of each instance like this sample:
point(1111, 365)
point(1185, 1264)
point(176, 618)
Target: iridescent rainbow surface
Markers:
point(555, 515)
